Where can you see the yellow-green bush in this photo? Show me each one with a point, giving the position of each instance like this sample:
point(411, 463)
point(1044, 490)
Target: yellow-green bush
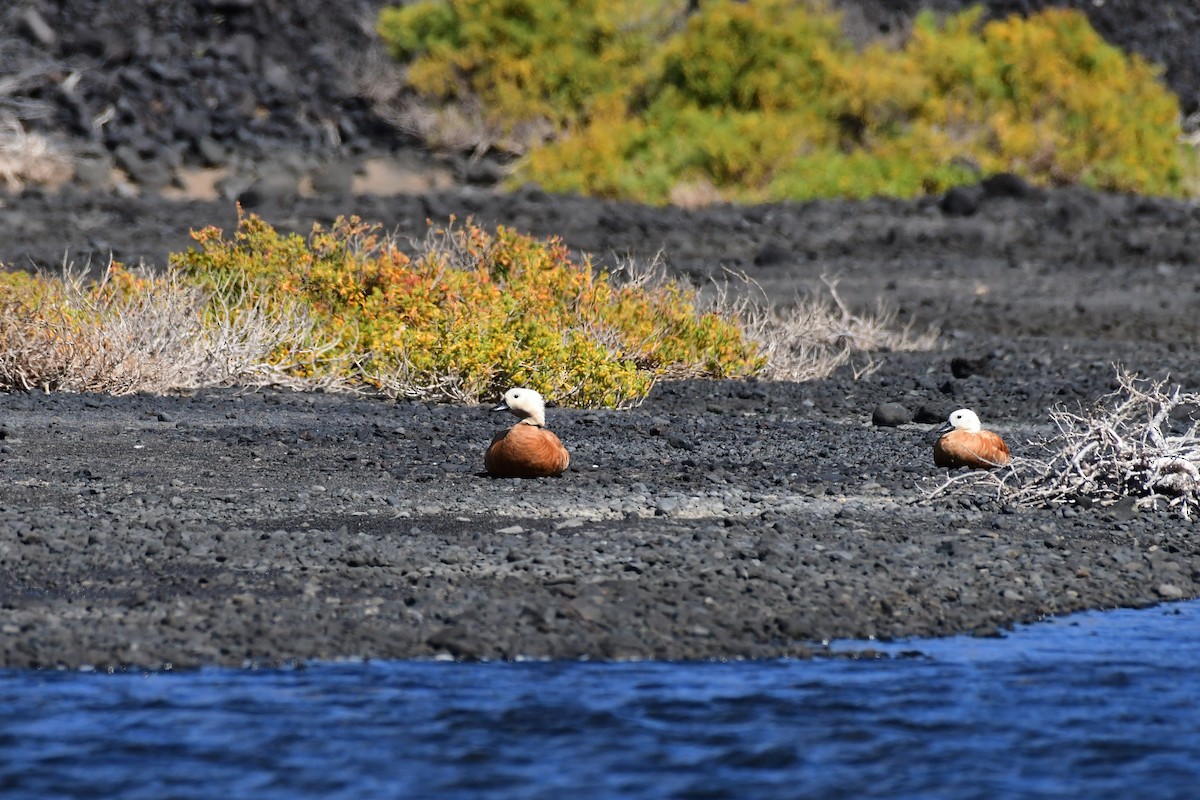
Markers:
point(527, 60)
point(473, 313)
point(461, 315)
point(1047, 97)
point(767, 99)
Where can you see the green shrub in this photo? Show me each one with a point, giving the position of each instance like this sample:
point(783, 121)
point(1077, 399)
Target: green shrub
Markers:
point(526, 60)
point(1048, 97)
point(472, 313)
point(767, 99)
point(768, 55)
point(461, 315)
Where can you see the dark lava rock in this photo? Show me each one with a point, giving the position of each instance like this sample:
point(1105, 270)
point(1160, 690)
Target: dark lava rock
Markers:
point(931, 415)
point(772, 254)
point(961, 367)
point(890, 415)
point(961, 201)
point(1006, 184)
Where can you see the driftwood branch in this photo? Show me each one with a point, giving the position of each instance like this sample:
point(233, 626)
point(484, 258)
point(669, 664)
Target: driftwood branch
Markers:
point(1142, 441)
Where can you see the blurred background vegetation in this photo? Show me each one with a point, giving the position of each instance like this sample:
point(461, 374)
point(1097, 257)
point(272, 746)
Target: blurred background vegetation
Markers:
point(719, 100)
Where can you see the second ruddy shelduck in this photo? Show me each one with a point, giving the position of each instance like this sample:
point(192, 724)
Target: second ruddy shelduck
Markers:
point(966, 444)
point(527, 449)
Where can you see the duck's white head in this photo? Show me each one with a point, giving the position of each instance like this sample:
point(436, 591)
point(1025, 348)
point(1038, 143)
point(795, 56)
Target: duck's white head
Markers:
point(964, 419)
point(526, 404)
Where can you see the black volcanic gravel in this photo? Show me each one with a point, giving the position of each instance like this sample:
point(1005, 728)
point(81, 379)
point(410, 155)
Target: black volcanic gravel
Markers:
point(719, 519)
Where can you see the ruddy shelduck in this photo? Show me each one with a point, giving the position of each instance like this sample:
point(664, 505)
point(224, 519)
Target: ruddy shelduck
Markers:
point(527, 449)
point(965, 443)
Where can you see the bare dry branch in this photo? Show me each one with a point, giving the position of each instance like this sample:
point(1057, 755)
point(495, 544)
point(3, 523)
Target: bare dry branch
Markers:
point(29, 157)
point(1142, 441)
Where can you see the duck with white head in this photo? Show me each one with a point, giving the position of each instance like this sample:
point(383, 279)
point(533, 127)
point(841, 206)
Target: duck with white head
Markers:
point(527, 449)
point(964, 443)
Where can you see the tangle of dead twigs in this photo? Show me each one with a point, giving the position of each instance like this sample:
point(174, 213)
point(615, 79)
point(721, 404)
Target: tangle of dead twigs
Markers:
point(1142, 441)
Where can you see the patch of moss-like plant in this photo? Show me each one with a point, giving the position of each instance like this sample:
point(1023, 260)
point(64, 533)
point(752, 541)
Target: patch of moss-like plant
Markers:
point(767, 99)
point(470, 313)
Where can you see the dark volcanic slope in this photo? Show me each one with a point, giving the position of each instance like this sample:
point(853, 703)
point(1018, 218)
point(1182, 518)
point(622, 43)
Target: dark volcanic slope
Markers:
point(198, 80)
point(157, 83)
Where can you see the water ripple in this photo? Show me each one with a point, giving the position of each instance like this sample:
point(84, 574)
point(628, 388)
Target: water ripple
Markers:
point(1097, 705)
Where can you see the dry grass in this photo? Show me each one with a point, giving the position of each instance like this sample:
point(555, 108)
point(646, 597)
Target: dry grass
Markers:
point(1141, 442)
point(820, 334)
point(164, 337)
point(405, 381)
point(26, 157)
point(806, 341)
point(29, 157)
point(1191, 140)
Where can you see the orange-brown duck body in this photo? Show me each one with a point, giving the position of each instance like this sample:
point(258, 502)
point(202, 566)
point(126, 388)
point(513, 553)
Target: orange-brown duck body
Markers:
point(967, 444)
point(527, 449)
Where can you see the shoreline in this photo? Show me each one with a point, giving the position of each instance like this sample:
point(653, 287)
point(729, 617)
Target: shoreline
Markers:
point(718, 520)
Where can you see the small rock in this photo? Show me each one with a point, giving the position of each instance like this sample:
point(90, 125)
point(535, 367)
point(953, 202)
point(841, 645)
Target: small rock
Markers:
point(931, 415)
point(680, 442)
point(1006, 184)
point(484, 171)
point(458, 640)
point(961, 201)
point(211, 153)
point(987, 632)
point(666, 507)
point(333, 178)
point(889, 415)
point(1124, 509)
point(93, 170)
point(961, 367)
point(773, 254)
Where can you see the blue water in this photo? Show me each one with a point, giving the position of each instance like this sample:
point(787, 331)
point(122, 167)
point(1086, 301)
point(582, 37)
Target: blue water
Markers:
point(1101, 705)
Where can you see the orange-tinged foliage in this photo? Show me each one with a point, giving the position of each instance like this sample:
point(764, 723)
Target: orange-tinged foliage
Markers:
point(477, 311)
